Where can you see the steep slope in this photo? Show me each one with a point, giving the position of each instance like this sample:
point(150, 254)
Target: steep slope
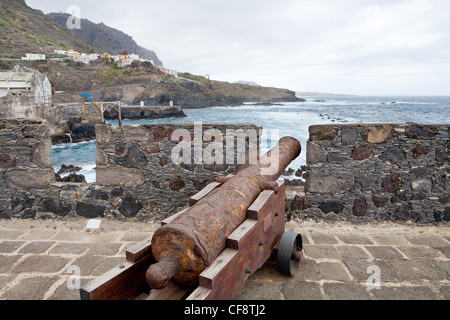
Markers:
point(24, 30)
point(103, 38)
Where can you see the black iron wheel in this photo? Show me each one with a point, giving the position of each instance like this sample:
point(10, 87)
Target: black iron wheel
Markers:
point(289, 253)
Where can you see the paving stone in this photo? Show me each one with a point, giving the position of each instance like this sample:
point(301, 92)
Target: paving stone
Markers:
point(445, 292)
point(359, 269)
point(346, 291)
point(445, 266)
point(445, 251)
point(269, 272)
point(10, 234)
point(30, 288)
point(420, 252)
point(390, 240)
point(418, 270)
point(332, 271)
point(39, 234)
point(321, 252)
point(69, 248)
point(384, 252)
point(71, 236)
point(355, 239)
point(107, 264)
point(136, 236)
point(307, 270)
point(10, 246)
point(302, 290)
point(6, 262)
point(36, 247)
point(112, 237)
point(427, 241)
point(62, 292)
point(5, 280)
point(352, 252)
point(42, 264)
point(265, 290)
point(87, 264)
point(104, 249)
point(404, 293)
point(324, 239)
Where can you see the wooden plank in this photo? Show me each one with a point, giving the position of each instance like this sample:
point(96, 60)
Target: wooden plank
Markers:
point(234, 241)
point(255, 208)
point(173, 291)
point(210, 187)
point(124, 282)
point(199, 294)
point(140, 250)
point(171, 218)
point(219, 268)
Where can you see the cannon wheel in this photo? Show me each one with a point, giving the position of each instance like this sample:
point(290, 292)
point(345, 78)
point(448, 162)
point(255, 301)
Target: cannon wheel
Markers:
point(290, 251)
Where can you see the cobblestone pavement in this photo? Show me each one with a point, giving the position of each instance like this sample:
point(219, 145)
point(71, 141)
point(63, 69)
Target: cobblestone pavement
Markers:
point(341, 262)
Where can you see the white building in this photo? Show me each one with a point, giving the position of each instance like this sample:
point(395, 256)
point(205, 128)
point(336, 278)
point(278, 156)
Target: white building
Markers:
point(34, 57)
point(23, 92)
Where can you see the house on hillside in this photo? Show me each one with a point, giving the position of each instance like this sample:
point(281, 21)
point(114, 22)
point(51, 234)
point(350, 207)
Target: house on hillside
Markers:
point(24, 93)
point(33, 57)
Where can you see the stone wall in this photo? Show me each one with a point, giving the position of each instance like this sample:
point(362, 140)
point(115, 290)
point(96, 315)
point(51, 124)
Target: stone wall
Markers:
point(137, 179)
point(138, 162)
point(364, 172)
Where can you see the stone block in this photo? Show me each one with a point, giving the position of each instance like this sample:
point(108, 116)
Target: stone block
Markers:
point(103, 133)
point(330, 182)
point(41, 264)
point(29, 179)
point(41, 154)
point(136, 133)
point(391, 183)
point(384, 252)
point(421, 185)
point(359, 207)
point(6, 162)
point(30, 288)
point(393, 155)
point(404, 293)
point(360, 153)
point(322, 132)
point(37, 130)
point(302, 290)
point(419, 132)
point(121, 177)
point(130, 206)
point(346, 291)
point(380, 135)
point(332, 271)
point(315, 154)
point(37, 247)
point(134, 157)
point(90, 210)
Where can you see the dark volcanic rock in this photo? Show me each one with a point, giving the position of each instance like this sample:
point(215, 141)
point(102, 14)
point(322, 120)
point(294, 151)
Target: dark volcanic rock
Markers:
point(59, 208)
point(361, 153)
point(391, 183)
point(360, 207)
point(419, 132)
point(6, 162)
point(130, 207)
point(90, 210)
point(300, 203)
point(331, 206)
point(393, 155)
point(133, 158)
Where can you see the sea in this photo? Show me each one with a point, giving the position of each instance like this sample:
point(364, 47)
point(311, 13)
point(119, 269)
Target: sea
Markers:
point(285, 119)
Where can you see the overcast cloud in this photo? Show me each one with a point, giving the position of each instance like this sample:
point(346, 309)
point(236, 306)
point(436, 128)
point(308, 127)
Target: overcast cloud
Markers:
point(399, 47)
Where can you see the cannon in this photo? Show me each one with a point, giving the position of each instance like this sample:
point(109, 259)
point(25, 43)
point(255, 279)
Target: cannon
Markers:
point(186, 246)
point(208, 250)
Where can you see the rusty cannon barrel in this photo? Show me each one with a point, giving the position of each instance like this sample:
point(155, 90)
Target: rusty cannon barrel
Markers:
point(187, 245)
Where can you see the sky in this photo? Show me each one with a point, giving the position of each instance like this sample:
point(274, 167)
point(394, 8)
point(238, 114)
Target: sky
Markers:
point(362, 47)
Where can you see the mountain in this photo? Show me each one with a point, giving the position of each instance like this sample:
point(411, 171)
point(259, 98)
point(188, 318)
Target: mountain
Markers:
point(103, 38)
point(24, 30)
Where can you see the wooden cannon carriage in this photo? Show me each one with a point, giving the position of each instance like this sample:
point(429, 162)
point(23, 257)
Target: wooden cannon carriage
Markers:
point(190, 247)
